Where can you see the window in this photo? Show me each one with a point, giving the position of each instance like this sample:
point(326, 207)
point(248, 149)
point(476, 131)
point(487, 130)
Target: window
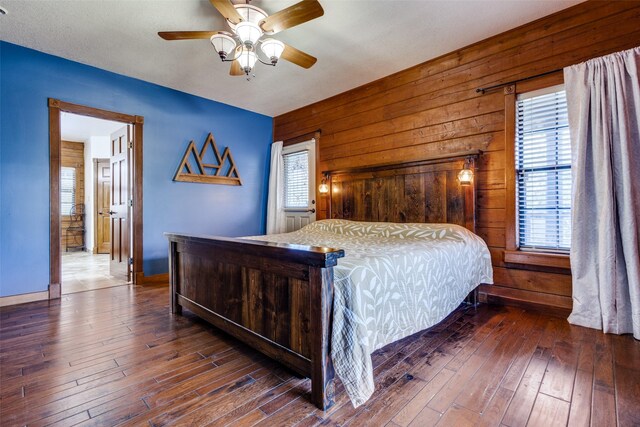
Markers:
point(543, 171)
point(67, 190)
point(296, 180)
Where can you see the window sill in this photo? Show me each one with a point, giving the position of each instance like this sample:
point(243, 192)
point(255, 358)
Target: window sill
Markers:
point(537, 258)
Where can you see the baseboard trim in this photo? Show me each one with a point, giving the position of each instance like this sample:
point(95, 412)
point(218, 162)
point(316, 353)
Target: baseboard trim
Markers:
point(557, 305)
point(55, 290)
point(528, 305)
point(24, 298)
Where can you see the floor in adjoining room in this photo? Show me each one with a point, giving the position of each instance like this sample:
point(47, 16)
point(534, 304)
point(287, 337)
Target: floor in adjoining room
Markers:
point(84, 271)
point(117, 356)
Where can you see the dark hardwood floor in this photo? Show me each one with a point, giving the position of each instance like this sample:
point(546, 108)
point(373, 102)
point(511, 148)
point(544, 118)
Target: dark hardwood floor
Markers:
point(116, 355)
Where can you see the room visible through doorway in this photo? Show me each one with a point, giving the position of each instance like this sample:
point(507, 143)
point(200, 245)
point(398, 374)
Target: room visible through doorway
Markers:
point(94, 172)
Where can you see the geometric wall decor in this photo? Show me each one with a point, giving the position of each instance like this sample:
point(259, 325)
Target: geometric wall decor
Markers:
point(222, 171)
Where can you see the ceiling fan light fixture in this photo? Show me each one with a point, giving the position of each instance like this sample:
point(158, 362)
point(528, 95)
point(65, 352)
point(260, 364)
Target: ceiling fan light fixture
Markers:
point(223, 44)
point(247, 59)
point(249, 13)
point(250, 26)
point(248, 32)
point(272, 48)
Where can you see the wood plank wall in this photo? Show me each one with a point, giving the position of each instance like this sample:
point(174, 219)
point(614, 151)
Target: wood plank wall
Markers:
point(433, 108)
point(72, 156)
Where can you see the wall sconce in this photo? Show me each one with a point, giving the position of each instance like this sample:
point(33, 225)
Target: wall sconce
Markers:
point(323, 188)
point(465, 176)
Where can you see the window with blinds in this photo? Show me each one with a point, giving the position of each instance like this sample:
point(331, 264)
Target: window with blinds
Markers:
point(296, 180)
point(543, 171)
point(67, 190)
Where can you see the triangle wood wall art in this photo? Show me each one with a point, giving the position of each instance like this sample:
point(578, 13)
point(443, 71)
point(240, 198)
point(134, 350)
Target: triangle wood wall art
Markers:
point(194, 166)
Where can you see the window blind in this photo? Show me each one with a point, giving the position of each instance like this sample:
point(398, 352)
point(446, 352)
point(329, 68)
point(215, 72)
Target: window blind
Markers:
point(67, 190)
point(296, 179)
point(543, 171)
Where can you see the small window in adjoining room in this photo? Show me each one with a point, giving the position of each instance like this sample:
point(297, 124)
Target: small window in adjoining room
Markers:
point(543, 171)
point(296, 180)
point(67, 190)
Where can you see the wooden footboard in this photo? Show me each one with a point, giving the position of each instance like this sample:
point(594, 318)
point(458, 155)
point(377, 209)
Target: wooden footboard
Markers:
point(274, 297)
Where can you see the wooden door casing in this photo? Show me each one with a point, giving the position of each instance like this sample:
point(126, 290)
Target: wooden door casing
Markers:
point(102, 175)
point(296, 218)
point(119, 207)
point(56, 108)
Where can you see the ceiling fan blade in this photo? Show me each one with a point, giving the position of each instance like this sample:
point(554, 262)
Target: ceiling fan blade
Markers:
point(226, 9)
point(294, 15)
point(236, 69)
point(298, 57)
point(186, 35)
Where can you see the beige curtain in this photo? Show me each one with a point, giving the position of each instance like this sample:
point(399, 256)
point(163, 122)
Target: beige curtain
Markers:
point(603, 97)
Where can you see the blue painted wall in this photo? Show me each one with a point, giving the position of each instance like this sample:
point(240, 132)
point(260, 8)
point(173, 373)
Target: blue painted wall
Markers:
point(171, 120)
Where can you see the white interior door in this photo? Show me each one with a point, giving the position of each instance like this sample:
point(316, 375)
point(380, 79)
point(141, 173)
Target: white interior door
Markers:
point(299, 184)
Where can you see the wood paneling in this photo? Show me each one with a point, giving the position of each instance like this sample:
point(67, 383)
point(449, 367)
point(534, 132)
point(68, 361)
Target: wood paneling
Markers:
point(72, 155)
point(130, 363)
point(433, 108)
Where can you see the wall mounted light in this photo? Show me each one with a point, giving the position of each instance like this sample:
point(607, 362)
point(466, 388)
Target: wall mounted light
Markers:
point(465, 176)
point(323, 188)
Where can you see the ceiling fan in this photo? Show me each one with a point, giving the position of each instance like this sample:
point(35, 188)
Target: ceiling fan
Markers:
point(250, 28)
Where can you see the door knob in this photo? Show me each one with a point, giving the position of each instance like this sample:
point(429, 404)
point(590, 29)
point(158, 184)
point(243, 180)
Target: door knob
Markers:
point(112, 212)
point(311, 210)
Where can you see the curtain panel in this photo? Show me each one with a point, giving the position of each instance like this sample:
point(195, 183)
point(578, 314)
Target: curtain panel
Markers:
point(275, 199)
point(603, 97)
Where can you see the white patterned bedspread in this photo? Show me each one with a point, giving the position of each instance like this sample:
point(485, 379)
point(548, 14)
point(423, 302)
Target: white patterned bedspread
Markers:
point(395, 280)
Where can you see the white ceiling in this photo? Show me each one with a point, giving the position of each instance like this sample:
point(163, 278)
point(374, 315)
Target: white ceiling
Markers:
point(356, 41)
point(80, 128)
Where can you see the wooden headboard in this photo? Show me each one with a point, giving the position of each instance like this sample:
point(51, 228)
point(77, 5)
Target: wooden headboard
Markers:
point(425, 191)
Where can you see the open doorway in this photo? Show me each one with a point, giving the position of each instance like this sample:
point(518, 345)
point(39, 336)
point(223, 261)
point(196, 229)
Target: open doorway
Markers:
point(96, 198)
point(89, 160)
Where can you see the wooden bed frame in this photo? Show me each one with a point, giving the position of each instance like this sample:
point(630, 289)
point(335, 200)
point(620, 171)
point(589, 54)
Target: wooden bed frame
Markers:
point(277, 298)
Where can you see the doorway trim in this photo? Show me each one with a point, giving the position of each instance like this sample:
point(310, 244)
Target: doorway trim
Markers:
point(55, 260)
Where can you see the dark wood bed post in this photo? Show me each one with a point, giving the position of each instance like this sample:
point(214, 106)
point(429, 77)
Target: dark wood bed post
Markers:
point(173, 271)
point(322, 373)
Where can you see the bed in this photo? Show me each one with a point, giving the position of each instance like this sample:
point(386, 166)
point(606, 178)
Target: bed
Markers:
point(321, 299)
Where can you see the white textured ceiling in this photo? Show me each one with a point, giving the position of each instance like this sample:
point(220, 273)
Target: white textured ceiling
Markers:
point(356, 41)
point(80, 128)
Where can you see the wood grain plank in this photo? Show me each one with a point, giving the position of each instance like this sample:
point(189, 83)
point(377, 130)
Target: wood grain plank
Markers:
point(525, 395)
point(548, 411)
point(626, 373)
point(604, 386)
point(459, 416)
point(496, 408)
point(412, 410)
point(560, 376)
point(580, 410)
